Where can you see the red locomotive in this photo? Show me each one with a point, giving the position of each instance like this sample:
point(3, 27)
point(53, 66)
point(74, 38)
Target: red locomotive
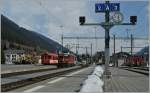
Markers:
point(61, 60)
point(49, 59)
point(66, 60)
point(134, 61)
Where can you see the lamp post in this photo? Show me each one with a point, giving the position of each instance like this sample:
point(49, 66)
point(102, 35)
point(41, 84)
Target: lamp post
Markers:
point(61, 38)
point(95, 40)
point(107, 25)
point(146, 62)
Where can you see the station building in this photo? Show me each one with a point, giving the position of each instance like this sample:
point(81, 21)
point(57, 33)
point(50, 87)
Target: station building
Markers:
point(11, 56)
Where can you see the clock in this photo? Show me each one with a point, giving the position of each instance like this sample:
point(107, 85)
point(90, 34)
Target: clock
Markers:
point(117, 18)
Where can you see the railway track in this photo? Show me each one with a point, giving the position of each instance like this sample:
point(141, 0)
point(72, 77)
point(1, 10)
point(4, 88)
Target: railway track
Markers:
point(5, 75)
point(13, 82)
point(141, 70)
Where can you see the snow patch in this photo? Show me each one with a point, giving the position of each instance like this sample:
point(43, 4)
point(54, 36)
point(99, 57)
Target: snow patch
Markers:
point(94, 83)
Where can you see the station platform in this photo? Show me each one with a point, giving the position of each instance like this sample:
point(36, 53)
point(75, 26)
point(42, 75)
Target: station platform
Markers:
point(11, 68)
point(70, 82)
point(126, 81)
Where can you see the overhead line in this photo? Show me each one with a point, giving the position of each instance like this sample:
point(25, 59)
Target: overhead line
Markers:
point(137, 38)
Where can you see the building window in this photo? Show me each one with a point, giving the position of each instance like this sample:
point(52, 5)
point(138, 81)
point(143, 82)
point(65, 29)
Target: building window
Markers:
point(8, 56)
point(13, 57)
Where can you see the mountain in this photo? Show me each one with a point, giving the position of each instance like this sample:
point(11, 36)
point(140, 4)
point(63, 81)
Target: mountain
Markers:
point(12, 32)
point(143, 51)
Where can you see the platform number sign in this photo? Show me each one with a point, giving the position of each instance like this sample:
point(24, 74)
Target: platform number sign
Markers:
point(102, 7)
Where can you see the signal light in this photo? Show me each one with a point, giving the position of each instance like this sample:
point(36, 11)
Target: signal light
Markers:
point(82, 20)
point(133, 19)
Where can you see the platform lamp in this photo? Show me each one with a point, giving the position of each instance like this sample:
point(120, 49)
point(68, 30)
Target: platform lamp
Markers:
point(82, 20)
point(133, 19)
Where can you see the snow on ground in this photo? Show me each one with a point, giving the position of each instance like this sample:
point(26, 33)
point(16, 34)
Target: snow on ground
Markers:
point(94, 83)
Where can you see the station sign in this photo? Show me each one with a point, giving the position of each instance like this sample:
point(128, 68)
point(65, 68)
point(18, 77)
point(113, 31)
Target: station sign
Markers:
point(103, 7)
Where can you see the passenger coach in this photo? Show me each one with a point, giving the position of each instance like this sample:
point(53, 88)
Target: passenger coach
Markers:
point(49, 59)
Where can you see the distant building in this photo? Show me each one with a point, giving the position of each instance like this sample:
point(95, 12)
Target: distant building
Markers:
point(12, 56)
point(119, 58)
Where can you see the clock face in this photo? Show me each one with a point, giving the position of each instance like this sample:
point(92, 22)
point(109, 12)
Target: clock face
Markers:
point(117, 17)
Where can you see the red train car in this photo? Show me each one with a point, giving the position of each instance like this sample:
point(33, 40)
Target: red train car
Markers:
point(135, 61)
point(49, 59)
point(66, 60)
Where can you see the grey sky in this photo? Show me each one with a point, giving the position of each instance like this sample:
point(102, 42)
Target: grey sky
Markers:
point(51, 18)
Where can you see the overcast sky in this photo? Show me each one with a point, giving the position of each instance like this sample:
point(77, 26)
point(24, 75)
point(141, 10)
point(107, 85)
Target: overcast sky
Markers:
point(51, 18)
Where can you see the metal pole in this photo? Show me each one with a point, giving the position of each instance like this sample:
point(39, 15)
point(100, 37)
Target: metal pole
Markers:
point(114, 45)
point(76, 49)
point(115, 62)
point(77, 45)
point(86, 50)
point(121, 49)
point(86, 53)
point(95, 40)
point(107, 57)
point(62, 43)
point(107, 38)
point(131, 44)
point(91, 52)
point(145, 59)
